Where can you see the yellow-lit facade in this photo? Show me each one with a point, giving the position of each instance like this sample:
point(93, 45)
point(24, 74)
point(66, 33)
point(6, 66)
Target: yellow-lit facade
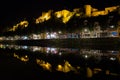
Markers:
point(88, 10)
point(66, 15)
point(45, 16)
point(110, 9)
point(77, 12)
point(94, 9)
point(97, 13)
point(21, 25)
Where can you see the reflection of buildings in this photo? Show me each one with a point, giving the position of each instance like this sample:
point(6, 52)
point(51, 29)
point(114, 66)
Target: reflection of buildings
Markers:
point(85, 53)
point(66, 65)
point(24, 58)
point(44, 64)
point(59, 51)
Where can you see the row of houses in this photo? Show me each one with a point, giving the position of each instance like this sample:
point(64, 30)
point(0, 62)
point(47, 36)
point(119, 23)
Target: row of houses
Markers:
point(97, 32)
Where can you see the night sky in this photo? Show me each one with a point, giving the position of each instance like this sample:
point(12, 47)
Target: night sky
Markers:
point(13, 11)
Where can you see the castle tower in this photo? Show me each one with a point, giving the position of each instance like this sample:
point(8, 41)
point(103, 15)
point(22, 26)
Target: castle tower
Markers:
point(88, 10)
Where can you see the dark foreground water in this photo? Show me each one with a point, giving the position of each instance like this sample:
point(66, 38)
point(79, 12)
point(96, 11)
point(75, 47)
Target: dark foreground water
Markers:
point(48, 63)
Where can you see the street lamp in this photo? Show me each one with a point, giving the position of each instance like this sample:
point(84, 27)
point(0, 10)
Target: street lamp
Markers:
point(112, 26)
point(59, 32)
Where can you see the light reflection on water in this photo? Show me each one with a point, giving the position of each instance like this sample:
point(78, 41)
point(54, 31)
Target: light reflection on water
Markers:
point(24, 58)
point(78, 61)
point(59, 51)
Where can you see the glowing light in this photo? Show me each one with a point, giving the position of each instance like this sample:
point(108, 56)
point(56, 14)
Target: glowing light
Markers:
point(36, 48)
point(59, 32)
point(25, 37)
point(112, 58)
point(112, 26)
point(59, 68)
point(86, 30)
point(60, 53)
point(51, 35)
point(48, 37)
point(86, 56)
point(59, 15)
point(35, 36)
point(24, 47)
point(47, 33)
point(1, 38)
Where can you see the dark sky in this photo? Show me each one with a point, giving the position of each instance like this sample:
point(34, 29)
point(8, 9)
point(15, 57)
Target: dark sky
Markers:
point(13, 11)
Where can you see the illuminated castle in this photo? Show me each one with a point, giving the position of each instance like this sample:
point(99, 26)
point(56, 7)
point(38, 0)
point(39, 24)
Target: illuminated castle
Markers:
point(89, 11)
point(66, 15)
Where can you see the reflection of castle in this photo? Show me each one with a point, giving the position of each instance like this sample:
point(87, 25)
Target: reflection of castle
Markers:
point(89, 11)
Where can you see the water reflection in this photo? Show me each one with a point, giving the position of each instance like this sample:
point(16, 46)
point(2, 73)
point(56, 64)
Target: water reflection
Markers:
point(86, 53)
point(24, 58)
point(87, 62)
point(60, 51)
point(66, 67)
point(44, 64)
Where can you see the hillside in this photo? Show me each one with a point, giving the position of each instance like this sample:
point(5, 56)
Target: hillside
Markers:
point(68, 21)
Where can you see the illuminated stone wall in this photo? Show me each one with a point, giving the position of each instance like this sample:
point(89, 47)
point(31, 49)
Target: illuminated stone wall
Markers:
point(77, 12)
point(110, 9)
point(88, 9)
point(97, 13)
point(65, 15)
point(21, 25)
point(45, 16)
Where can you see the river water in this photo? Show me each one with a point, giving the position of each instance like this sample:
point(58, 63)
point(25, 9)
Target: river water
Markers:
point(20, 62)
